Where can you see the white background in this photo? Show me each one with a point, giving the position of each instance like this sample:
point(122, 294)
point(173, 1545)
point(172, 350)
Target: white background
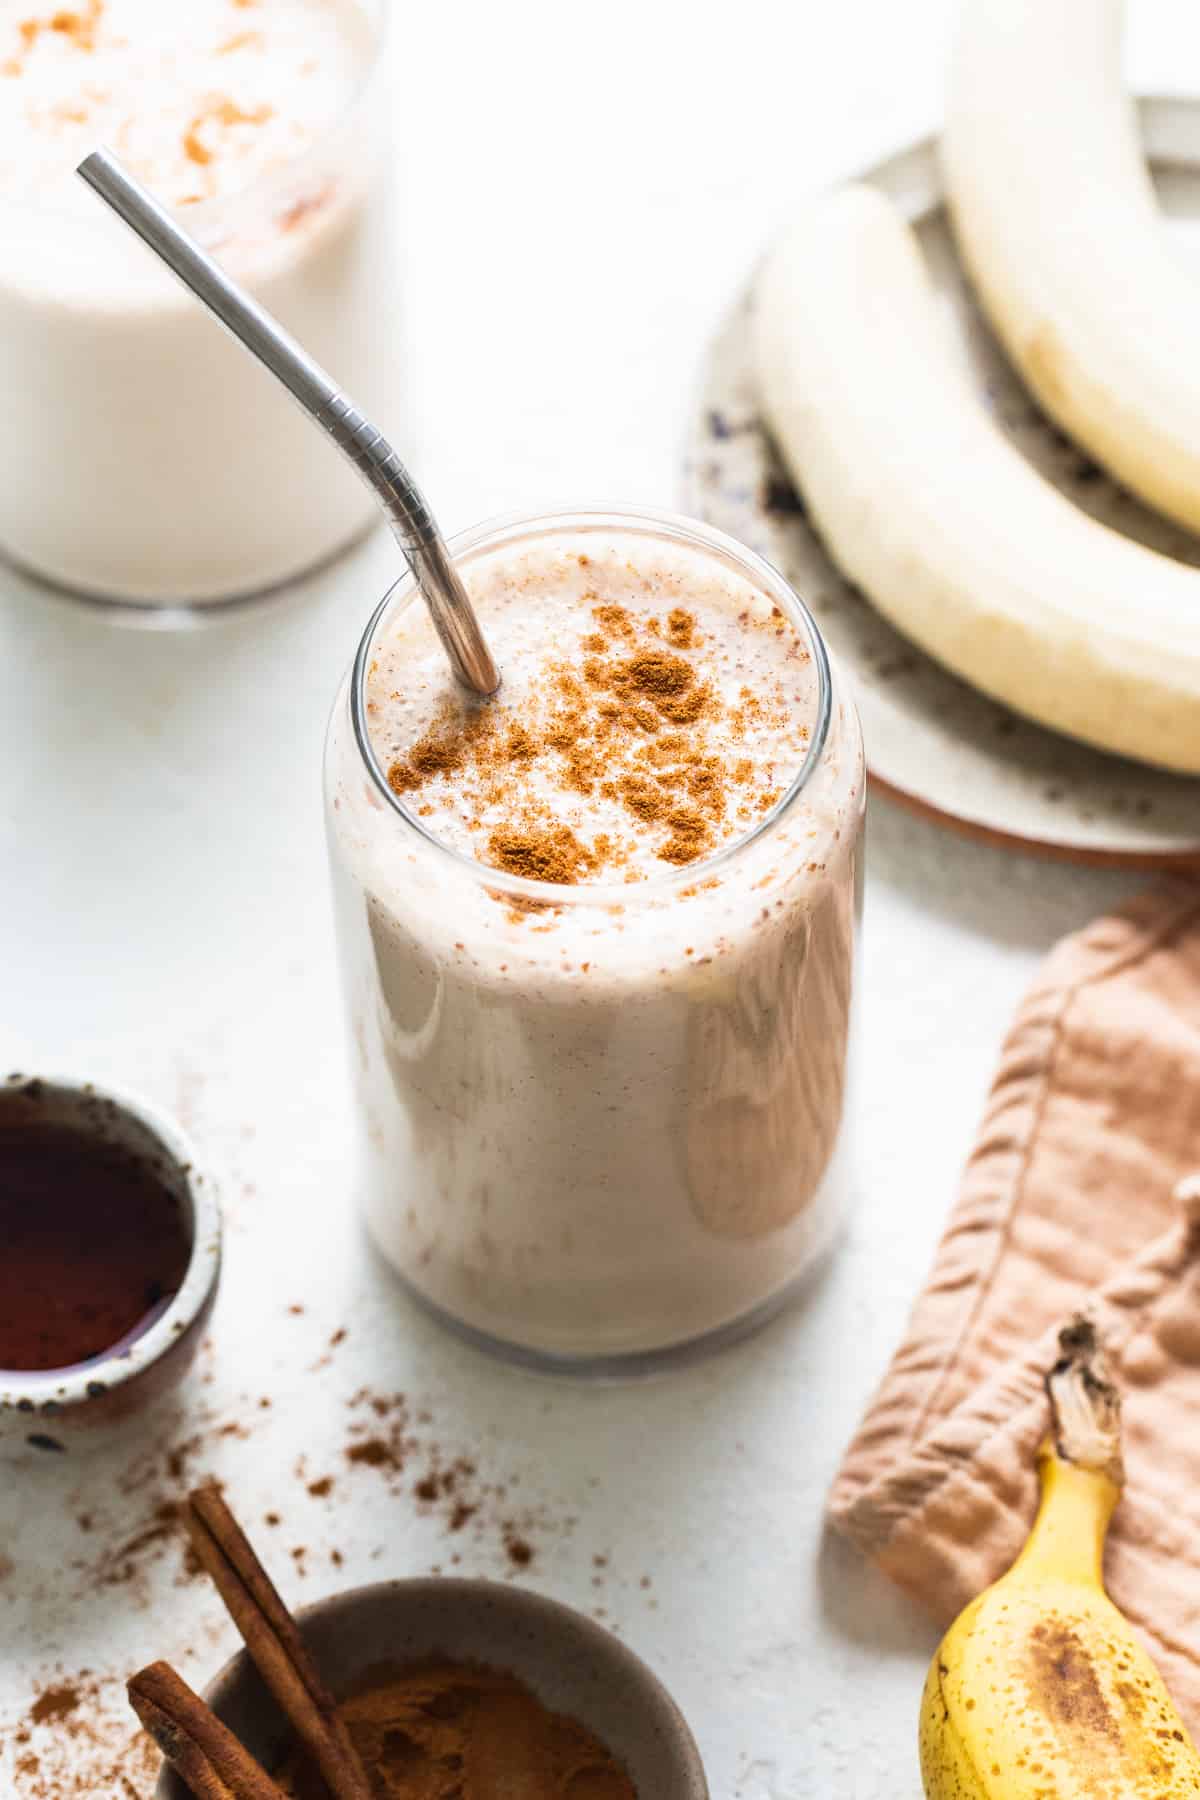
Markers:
point(585, 189)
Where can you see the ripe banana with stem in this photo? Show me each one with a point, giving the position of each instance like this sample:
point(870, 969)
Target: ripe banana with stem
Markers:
point(1040, 1689)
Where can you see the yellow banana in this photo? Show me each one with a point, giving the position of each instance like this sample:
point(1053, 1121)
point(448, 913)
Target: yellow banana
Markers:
point(1040, 1690)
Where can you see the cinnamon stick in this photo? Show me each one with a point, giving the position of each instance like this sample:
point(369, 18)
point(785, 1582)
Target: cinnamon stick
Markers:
point(215, 1765)
point(270, 1635)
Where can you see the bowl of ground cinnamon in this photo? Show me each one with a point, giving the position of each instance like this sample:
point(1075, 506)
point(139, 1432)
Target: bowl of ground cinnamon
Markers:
point(447, 1690)
point(111, 1237)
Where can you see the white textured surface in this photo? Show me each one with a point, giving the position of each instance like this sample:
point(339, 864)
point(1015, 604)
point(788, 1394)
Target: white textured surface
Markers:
point(579, 218)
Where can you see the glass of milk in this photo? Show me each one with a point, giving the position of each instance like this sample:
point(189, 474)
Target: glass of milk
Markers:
point(146, 461)
point(598, 939)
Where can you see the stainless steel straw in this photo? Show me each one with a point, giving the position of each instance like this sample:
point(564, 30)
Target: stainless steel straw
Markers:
point(367, 449)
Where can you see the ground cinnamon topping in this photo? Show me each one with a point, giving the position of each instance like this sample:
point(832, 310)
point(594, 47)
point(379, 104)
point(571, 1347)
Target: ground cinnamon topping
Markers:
point(658, 673)
point(305, 207)
point(614, 619)
point(689, 836)
point(79, 27)
point(519, 745)
point(553, 855)
point(681, 628)
point(642, 797)
point(628, 721)
point(219, 112)
point(667, 682)
point(241, 40)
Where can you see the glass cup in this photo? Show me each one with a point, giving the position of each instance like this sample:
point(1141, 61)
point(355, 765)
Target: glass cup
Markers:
point(147, 462)
point(602, 1126)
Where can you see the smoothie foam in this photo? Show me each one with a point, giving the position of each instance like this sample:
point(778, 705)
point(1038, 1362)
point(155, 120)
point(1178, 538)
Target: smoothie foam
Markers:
point(146, 458)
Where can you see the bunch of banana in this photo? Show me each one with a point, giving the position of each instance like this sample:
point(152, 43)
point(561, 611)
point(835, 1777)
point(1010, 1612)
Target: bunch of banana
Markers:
point(1040, 1690)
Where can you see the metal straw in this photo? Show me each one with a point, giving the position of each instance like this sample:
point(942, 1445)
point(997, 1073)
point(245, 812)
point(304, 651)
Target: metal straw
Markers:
point(367, 449)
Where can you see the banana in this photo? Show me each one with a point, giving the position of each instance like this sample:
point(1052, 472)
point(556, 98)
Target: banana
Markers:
point(926, 506)
point(1040, 1690)
point(1059, 227)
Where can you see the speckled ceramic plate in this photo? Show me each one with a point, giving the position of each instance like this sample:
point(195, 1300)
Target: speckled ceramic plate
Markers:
point(932, 741)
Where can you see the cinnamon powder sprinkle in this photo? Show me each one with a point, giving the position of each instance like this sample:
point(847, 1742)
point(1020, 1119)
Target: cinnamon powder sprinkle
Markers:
point(304, 208)
point(55, 1703)
point(630, 720)
point(689, 836)
point(219, 112)
point(79, 27)
point(553, 855)
point(681, 628)
point(375, 1453)
point(614, 619)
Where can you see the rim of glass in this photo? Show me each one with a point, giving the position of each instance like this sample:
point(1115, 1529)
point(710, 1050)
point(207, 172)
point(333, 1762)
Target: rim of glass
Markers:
point(219, 207)
point(511, 527)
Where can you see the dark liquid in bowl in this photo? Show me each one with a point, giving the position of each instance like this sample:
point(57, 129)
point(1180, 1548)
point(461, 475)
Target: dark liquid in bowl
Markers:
point(93, 1244)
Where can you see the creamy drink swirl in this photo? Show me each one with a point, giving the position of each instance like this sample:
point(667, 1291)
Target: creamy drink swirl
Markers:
point(145, 457)
point(598, 936)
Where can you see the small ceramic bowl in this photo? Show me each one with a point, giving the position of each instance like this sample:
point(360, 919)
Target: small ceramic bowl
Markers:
point(573, 1666)
point(46, 1413)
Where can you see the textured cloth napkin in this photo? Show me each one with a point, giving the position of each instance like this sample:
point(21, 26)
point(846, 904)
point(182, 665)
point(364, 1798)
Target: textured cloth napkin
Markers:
point(1076, 1197)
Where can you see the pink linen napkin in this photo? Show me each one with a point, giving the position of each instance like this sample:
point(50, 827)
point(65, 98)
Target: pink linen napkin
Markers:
point(1076, 1196)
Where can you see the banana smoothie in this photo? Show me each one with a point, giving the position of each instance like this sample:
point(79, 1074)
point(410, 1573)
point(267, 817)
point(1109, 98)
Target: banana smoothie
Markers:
point(145, 458)
point(598, 939)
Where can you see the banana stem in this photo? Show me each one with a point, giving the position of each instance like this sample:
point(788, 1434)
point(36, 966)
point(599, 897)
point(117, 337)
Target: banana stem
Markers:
point(1080, 1464)
point(1085, 1404)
